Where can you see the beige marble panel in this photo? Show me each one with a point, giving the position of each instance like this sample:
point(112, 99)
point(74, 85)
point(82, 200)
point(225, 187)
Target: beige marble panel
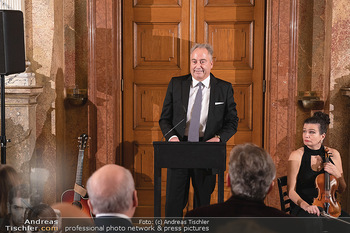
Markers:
point(338, 134)
point(281, 88)
point(20, 123)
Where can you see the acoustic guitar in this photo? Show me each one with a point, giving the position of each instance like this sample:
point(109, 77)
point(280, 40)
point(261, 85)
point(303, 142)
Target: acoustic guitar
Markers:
point(70, 195)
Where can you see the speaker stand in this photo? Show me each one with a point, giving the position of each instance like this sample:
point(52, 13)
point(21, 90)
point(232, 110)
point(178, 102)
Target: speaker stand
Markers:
point(3, 139)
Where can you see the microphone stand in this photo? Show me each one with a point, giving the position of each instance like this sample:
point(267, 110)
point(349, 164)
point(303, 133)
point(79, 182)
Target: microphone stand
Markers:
point(176, 124)
point(324, 214)
point(3, 139)
point(172, 129)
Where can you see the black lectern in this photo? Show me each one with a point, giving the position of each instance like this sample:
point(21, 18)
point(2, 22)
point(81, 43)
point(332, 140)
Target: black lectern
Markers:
point(187, 155)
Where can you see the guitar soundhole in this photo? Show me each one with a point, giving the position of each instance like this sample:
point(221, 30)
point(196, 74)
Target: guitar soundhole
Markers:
point(78, 204)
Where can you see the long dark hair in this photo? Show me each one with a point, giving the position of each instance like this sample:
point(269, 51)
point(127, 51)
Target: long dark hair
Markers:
point(320, 118)
point(9, 178)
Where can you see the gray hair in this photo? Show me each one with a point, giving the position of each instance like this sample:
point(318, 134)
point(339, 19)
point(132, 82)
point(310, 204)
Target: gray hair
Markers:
point(251, 171)
point(208, 47)
point(119, 200)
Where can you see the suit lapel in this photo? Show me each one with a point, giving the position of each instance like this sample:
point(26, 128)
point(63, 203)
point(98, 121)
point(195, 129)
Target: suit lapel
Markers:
point(185, 89)
point(211, 114)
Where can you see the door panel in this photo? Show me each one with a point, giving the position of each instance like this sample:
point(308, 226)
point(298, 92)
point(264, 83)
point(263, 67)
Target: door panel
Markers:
point(235, 30)
point(156, 46)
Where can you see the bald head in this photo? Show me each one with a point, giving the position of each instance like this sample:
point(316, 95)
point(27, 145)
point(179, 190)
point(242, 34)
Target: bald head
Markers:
point(111, 190)
point(106, 180)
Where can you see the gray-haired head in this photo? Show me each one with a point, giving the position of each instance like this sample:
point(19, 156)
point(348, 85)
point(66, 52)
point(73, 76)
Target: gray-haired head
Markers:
point(111, 189)
point(251, 171)
point(208, 47)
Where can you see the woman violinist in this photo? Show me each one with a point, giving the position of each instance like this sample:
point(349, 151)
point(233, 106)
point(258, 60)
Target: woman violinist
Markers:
point(306, 163)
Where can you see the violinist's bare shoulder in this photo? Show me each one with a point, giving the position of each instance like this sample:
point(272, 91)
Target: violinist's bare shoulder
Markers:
point(334, 153)
point(296, 155)
point(335, 156)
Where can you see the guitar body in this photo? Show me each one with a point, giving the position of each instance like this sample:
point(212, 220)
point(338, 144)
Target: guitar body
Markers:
point(68, 196)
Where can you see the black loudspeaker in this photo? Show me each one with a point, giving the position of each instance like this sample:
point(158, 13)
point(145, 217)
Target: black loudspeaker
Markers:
point(12, 55)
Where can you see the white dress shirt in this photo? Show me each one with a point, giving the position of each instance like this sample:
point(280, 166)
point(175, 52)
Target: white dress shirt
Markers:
point(205, 104)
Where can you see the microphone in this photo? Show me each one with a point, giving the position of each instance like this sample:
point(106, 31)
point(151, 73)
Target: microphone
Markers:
point(176, 124)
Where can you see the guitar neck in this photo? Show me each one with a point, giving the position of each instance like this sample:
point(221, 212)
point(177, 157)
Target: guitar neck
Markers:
point(79, 175)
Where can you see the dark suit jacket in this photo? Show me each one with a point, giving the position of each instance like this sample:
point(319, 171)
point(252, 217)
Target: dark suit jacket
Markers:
point(237, 207)
point(222, 116)
point(114, 221)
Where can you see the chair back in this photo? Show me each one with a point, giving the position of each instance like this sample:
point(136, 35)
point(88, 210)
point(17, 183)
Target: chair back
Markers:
point(284, 199)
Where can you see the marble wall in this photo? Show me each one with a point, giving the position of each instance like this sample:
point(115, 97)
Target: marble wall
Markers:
point(56, 38)
point(281, 73)
point(42, 52)
point(323, 66)
point(339, 108)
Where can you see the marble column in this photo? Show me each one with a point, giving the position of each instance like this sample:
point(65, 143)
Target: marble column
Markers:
point(20, 120)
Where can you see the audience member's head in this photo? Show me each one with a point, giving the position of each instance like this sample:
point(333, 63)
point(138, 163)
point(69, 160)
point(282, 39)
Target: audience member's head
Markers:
point(111, 189)
point(18, 204)
point(251, 172)
point(45, 214)
point(8, 179)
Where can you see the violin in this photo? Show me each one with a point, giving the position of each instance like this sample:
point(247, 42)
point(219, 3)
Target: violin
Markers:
point(327, 185)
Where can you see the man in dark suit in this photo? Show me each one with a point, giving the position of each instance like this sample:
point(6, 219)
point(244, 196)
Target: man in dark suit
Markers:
point(112, 198)
point(217, 118)
point(251, 175)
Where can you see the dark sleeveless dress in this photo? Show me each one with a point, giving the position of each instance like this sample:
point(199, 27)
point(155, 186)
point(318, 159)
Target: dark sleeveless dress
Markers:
point(305, 185)
point(306, 188)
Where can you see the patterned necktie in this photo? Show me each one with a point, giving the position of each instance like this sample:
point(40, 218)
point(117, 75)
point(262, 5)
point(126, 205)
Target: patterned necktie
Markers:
point(193, 132)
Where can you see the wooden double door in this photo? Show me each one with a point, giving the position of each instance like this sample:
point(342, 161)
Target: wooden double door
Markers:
point(157, 37)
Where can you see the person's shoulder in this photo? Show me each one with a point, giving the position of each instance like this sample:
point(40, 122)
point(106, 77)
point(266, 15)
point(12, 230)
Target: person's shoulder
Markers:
point(273, 212)
point(205, 211)
point(182, 77)
point(198, 212)
point(334, 152)
point(297, 154)
point(114, 220)
point(220, 81)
